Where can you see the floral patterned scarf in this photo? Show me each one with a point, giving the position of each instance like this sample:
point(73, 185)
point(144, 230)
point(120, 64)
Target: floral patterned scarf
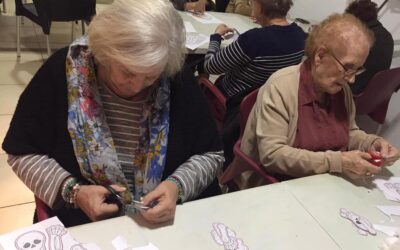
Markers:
point(91, 136)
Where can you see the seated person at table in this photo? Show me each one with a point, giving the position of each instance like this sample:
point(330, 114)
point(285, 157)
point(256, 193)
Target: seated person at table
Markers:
point(381, 53)
point(303, 120)
point(115, 108)
point(197, 6)
point(252, 58)
point(242, 7)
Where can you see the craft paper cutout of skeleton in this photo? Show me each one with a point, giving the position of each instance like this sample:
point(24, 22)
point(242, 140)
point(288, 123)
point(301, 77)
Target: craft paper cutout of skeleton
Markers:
point(55, 233)
point(226, 237)
point(32, 240)
point(363, 225)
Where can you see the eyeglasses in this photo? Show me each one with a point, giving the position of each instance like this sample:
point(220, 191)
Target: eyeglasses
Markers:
point(348, 72)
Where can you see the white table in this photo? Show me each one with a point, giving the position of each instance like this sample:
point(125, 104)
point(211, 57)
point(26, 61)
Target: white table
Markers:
point(297, 214)
point(240, 22)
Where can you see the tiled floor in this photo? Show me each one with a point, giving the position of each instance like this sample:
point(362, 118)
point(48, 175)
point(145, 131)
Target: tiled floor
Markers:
point(16, 200)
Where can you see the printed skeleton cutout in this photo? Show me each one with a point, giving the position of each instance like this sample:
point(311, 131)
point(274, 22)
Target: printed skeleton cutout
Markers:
point(78, 247)
point(32, 240)
point(55, 232)
point(226, 237)
point(393, 186)
point(363, 225)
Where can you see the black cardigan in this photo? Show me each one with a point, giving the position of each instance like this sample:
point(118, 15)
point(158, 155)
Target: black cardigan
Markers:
point(39, 125)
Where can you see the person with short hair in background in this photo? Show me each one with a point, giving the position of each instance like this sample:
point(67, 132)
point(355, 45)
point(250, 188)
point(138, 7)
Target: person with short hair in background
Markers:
point(242, 7)
point(249, 61)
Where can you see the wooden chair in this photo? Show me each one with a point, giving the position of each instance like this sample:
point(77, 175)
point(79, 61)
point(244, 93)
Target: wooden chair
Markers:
point(374, 100)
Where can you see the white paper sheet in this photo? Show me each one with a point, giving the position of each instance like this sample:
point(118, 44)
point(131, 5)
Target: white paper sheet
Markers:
point(205, 18)
point(390, 231)
point(390, 188)
point(189, 27)
point(390, 210)
point(195, 40)
point(47, 234)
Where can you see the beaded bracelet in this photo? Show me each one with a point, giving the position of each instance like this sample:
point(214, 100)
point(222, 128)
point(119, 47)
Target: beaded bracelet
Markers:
point(74, 194)
point(178, 183)
point(67, 188)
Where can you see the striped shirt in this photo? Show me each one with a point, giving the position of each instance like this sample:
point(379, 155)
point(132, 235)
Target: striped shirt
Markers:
point(254, 56)
point(44, 176)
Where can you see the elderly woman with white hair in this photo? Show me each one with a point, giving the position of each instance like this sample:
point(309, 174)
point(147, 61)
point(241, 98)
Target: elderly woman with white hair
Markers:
point(112, 116)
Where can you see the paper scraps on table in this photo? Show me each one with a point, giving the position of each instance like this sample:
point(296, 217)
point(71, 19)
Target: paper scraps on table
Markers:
point(150, 246)
point(195, 40)
point(47, 234)
point(189, 27)
point(120, 243)
point(389, 187)
point(390, 210)
point(388, 230)
point(226, 237)
point(205, 18)
point(363, 225)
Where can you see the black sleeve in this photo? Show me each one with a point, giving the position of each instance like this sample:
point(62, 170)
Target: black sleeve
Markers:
point(33, 126)
point(192, 127)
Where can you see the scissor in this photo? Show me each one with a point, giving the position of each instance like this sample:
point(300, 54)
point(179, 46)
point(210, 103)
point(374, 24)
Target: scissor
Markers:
point(116, 198)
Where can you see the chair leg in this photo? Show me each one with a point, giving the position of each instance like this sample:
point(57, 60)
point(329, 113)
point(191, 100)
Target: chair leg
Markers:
point(18, 37)
point(48, 46)
point(73, 31)
point(4, 6)
point(378, 130)
point(83, 27)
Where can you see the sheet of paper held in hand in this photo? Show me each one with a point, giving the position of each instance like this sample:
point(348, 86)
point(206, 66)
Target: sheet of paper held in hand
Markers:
point(47, 234)
point(204, 18)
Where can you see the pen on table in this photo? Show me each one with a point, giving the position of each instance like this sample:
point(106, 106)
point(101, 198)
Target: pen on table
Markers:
point(195, 12)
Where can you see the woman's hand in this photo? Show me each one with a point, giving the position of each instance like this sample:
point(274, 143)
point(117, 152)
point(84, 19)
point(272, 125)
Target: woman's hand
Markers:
point(222, 29)
point(91, 200)
point(386, 151)
point(166, 195)
point(355, 164)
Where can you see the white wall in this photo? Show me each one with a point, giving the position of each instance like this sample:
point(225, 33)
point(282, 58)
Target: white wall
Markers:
point(316, 10)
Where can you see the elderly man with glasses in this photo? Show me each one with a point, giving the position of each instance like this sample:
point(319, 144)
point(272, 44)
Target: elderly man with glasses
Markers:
point(303, 120)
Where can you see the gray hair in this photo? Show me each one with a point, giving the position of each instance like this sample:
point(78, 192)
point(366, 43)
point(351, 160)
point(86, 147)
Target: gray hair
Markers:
point(335, 30)
point(139, 34)
point(275, 8)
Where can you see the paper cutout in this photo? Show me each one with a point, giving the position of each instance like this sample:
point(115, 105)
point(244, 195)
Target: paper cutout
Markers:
point(48, 234)
point(390, 188)
point(205, 18)
point(226, 237)
point(150, 246)
point(363, 225)
point(390, 231)
point(390, 210)
point(120, 243)
point(195, 40)
point(189, 27)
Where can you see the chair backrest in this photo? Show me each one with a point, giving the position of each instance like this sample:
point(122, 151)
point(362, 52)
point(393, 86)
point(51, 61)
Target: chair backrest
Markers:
point(215, 99)
point(243, 162)
point(245, 108)
point(43, 12)
point(43, 211)
point(374, 100)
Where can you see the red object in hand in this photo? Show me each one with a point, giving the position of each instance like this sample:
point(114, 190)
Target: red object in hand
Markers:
point(376, 158)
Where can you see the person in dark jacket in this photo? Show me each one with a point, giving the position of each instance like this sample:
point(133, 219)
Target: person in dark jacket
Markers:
point(380, 55)
point(116, 109)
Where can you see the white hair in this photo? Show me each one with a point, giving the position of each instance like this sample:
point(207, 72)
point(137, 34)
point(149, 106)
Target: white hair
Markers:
point(139, 34)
